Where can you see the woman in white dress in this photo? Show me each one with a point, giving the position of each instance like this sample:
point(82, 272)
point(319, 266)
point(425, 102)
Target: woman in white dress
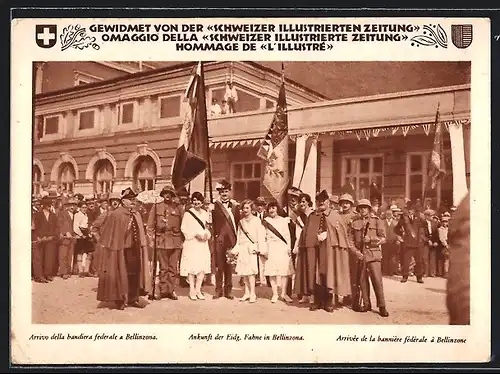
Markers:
point(195, 260)
point(279, 261)
point(251, 242)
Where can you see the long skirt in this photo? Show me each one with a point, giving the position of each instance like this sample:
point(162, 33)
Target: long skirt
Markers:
point(305, 273)
point(113, 276)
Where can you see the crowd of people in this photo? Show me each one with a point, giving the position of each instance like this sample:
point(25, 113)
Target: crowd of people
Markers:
point(324, 252)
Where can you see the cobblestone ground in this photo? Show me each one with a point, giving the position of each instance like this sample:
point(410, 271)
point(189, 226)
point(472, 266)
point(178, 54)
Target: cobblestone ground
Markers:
point(73, 301)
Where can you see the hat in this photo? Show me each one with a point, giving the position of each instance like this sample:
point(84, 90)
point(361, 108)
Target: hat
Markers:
point(90, 198)
point(128, 193)
point(168, 189)
point(364, 202)
point(223, 185)
point(346, 197)
point(260, 201)
point(446, 214)
point(334, 199)
point(453, 208)
point(46, 200)
point(445, 219)
point(35, 198)
point(114, 196)
point(394, 208)
point(294, 191)
point(70, 201)
point(103, 197)
point(183, 192)
point(79, 196)
point(322, 196)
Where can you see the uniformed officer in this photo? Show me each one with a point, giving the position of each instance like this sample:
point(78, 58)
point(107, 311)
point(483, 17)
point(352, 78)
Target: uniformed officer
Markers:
point(166, 218)
point(368, 236)
point(346, 204)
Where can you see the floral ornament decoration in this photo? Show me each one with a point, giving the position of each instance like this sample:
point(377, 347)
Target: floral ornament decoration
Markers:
point(432, 35)
point(75, 36)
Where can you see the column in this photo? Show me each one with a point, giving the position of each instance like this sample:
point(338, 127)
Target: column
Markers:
point(146, 112)
point(326, 163)
point(107, 119)
point(39, 77)
point(154, 110)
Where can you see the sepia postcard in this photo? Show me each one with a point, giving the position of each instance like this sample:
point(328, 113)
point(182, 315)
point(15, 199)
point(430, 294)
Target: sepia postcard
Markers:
point(250, 190)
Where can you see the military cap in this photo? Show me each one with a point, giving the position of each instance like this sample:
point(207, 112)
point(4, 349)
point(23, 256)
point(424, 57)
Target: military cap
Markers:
point(294, 191)
point(394, 208)
point(260, 201)
point(364, 202)
point(446, 214)
point(346, 197)
point(128, 193)
point(223, 185)
point(322, 196)
point(168, 189)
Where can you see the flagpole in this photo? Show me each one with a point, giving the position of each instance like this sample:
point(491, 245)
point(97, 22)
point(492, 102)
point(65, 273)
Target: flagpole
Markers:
point(285, 198)
point(209, 161)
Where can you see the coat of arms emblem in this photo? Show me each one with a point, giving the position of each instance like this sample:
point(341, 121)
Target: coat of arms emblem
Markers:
point(461, 35)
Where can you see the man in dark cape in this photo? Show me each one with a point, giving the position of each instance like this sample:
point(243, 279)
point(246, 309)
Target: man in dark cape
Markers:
point(124, 273)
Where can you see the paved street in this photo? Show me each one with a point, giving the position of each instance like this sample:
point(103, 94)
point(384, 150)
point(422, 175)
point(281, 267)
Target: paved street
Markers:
point(73, 301)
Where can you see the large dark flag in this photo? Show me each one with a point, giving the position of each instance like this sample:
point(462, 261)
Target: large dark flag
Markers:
point(274, 150)
point(436, 162)
point(191, 158)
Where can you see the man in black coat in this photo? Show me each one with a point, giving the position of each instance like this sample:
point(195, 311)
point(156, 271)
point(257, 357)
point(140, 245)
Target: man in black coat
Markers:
point(46, 235)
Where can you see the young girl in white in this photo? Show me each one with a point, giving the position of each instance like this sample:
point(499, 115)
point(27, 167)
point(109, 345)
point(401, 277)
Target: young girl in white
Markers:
point(251, 242)
point(279, 261)
point(195, 260)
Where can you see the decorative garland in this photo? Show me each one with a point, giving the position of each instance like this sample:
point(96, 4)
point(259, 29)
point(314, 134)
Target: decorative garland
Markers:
point(365, 133)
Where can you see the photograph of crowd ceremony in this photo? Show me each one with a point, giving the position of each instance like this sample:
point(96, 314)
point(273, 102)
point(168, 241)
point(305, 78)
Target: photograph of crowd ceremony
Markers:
point(261, 190)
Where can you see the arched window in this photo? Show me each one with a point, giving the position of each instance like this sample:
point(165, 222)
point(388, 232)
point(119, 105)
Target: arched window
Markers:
point(37, 177)
point(66, 177)
point(103, 176)
point(144, 173)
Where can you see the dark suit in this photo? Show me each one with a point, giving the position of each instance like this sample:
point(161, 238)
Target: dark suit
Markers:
point(45, 253)
point(66, 245)
point(225, 240)
point(430, 252)
point(390, 248)
point(410, 229)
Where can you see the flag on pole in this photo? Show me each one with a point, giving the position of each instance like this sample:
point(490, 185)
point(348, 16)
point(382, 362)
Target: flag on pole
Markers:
point(191, 158)
point(436, 163)
point(307, 181)
point(274, 150)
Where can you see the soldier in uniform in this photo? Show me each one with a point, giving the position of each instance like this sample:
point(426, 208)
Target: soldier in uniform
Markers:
point(347, 212)
point(167, 223)
point(368, 234)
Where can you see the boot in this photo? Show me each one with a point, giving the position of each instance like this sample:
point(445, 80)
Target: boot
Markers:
point(383, 311)
point(329, 303)
point(317, 299)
